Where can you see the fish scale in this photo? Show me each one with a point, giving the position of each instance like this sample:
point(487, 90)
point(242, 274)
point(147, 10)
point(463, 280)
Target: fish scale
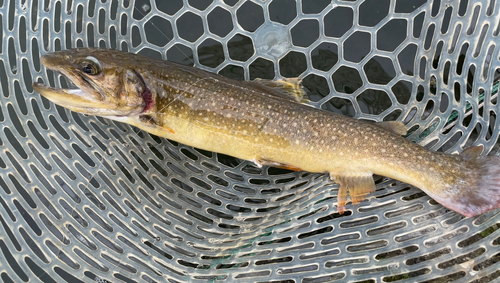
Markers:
point(257, 121)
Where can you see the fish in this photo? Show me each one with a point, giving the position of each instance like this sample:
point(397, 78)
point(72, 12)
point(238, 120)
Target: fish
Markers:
point(268, 123)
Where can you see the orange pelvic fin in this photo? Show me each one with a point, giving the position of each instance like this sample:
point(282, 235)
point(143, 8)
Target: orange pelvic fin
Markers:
point(358, 187)
point(168, 129)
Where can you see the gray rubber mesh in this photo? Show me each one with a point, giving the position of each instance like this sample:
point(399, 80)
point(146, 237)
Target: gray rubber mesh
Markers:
point(87, 199)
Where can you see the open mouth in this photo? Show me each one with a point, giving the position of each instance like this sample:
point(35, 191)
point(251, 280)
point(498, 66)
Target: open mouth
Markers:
point(77, 93)
point(66, 83)
point(81, 93)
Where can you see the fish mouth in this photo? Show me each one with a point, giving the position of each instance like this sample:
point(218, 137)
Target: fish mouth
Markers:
point(82, 95)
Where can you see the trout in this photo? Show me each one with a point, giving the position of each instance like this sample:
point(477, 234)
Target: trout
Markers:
point(265, 122)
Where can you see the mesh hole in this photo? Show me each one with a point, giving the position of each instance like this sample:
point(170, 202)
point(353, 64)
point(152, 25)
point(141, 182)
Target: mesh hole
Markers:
point(12, 262)
point(98, 219)
point(453, 44)
point(261, 68)
point(391, 35)
point(338, 21)
point(12, 238)
point(348, 86)
point(15, 143)
point(190, 26)
point(474, 19)
point(367, 17)
point(210, 53)
point(158, 25)
point(479, 45)
point(415, 234)
point(357, 46)
point(411, 274)
point(282, 11)
point(220, 22)
point(305, 32)
point(293, 64)
point(437, 54)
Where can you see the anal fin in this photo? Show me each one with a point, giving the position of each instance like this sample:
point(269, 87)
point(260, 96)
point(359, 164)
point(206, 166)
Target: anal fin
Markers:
point(358, 187)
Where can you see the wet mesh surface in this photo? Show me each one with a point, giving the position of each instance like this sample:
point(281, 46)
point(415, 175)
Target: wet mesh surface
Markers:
point(87, 199)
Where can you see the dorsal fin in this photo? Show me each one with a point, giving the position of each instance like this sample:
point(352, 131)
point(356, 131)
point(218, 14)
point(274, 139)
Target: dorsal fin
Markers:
point(289, 88)
point(472, 152)
point(394, 127)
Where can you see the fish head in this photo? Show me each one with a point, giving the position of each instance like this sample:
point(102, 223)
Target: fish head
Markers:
point(107, 82)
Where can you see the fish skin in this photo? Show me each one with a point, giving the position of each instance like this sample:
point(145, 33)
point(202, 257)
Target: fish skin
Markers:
point(254, 122)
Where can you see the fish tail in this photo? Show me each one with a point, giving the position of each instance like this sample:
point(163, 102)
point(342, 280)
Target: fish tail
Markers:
point(478, 191)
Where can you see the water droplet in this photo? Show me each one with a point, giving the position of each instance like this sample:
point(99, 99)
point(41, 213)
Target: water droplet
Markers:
point(146, 8)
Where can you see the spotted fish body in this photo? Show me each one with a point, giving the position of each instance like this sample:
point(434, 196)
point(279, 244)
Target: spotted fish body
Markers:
point(258, 122)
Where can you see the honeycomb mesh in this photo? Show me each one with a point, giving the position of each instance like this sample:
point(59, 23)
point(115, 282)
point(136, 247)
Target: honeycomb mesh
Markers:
point(86, 199)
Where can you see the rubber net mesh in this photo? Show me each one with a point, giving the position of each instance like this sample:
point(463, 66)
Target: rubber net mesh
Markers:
point(86, 199)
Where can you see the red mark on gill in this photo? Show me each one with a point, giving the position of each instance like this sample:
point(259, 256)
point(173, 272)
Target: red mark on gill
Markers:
point(148, 99)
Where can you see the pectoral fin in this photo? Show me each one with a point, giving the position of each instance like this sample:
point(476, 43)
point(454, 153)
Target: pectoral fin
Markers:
point(358, 187)
point(260, 162)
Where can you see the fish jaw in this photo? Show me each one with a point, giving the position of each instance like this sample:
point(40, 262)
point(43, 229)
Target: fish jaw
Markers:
point(75, 100)
point(114, 91)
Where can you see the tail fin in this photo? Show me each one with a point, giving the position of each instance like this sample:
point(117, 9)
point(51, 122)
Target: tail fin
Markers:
point(479, 194)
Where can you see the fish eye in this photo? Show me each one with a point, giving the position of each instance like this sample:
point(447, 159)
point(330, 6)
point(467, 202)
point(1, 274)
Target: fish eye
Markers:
point(90, 65)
